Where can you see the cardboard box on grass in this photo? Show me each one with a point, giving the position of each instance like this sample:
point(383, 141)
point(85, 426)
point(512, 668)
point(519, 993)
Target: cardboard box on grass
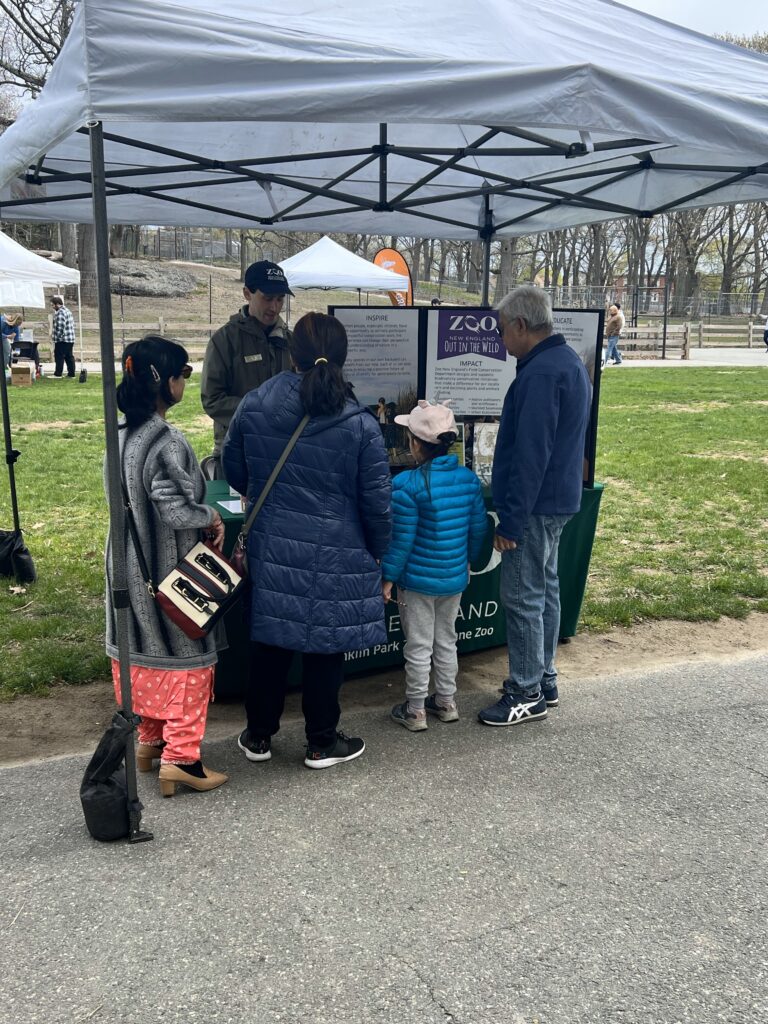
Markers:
point(22, 374)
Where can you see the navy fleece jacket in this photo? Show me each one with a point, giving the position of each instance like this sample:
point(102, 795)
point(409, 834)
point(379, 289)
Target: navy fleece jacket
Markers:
point(538, 462)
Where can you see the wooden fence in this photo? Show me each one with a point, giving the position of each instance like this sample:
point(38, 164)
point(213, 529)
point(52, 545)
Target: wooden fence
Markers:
point(195, 335)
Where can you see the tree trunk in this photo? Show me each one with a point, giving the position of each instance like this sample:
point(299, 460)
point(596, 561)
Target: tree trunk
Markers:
point(86, 253)
point(68, 242)
point(475, 263)
point(116, 239)
point(505, 278)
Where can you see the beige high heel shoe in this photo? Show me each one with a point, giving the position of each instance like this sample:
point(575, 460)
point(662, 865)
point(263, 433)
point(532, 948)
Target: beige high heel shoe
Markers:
point(146, 755)
point(171, 776)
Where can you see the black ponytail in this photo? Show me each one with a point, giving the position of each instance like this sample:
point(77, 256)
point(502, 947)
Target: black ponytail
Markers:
point(319, 349)
point(147, 366)
point(434, 451)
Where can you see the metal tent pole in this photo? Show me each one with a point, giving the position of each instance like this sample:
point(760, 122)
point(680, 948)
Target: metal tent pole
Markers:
point(11, 454)
point(80, 325)
point(119, 595)
point(486, 233)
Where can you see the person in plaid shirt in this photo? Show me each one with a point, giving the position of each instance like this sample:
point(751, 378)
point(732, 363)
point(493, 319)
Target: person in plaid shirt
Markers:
point(63, 337)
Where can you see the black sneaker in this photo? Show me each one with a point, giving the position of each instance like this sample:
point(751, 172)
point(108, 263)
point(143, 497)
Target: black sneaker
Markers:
point(344, 748)
point(551, 696)
point(254, 750)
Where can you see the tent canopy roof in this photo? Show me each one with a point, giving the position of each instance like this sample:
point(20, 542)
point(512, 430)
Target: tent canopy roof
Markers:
point(19, 264)
point(446, 118)
point(326, 264)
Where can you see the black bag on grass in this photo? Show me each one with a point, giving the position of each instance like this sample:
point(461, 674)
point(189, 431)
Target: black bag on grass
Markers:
point(15, 559)
point(103, 791)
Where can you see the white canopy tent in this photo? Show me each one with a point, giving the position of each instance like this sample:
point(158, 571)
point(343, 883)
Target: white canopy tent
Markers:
point(450, 118)
point(326, 264)
point(24, 274)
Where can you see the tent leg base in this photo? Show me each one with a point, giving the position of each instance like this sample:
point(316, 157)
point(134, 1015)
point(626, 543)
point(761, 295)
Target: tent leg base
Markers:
point(140, 837)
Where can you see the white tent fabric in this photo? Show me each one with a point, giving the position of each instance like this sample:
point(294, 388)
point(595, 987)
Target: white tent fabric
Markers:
point(501, 114)
point(24, 274)
point(326, 264)
point(21, 293)
point(19, 264)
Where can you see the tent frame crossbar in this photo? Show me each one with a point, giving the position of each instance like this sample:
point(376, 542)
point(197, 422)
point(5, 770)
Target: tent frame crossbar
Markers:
point(241, 171)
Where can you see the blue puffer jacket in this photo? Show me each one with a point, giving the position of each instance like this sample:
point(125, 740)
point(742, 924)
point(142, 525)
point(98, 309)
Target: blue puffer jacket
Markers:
point(313, 548)
point(440, 524)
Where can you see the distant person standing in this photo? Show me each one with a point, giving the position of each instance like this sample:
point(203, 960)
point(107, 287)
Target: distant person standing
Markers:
point(10, 326)
point(63, 338)
point(613, 328)
point(765, 334)
point(249, 349)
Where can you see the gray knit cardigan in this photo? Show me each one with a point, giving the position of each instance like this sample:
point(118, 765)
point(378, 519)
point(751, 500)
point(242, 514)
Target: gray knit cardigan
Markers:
point(166, 490)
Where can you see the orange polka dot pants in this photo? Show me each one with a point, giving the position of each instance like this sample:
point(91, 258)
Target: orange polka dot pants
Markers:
point(173, 707)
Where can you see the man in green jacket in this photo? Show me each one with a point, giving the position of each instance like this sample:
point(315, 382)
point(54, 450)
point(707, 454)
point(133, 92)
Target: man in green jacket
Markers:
point(249, 349)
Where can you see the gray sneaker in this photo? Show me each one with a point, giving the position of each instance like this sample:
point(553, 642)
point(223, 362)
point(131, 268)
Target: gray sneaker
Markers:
point(445, 714)
point(411, 721)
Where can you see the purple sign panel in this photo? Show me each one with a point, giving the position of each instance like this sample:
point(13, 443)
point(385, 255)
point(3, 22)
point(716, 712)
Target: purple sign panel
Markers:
point(468, 334)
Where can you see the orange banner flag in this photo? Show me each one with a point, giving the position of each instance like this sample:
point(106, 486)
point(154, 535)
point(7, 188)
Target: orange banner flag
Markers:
point(391, 259)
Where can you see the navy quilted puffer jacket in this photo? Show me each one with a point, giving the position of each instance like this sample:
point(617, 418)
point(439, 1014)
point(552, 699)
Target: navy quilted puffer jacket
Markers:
point(313, 549)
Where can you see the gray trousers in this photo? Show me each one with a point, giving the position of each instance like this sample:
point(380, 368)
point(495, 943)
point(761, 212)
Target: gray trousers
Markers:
point(429, 624)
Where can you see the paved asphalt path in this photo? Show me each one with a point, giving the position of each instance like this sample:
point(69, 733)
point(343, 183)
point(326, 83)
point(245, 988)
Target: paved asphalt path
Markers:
point(608, 864)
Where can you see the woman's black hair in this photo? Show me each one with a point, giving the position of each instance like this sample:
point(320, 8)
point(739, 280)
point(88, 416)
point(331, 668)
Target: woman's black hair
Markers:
point(148, 364)
point(318, 347)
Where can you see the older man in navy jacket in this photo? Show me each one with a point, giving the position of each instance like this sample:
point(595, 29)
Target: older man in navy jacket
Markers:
point(537, 483)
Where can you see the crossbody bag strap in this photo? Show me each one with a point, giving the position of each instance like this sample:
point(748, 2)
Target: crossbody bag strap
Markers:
point(273, 476)
point(134, 532)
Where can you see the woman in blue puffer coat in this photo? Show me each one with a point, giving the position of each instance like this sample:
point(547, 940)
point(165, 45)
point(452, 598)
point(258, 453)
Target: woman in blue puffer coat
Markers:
point(314, 548)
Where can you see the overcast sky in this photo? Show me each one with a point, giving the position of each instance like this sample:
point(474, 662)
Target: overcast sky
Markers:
point(714, 17)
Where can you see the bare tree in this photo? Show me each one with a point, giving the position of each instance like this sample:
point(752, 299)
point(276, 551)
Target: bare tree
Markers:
point(31, 37)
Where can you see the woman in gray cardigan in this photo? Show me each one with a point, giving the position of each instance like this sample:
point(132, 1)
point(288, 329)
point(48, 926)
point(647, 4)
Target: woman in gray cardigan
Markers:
point(171, 675)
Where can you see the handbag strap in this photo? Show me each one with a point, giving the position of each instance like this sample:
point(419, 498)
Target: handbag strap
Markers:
point(134, 532)
point(272, 477)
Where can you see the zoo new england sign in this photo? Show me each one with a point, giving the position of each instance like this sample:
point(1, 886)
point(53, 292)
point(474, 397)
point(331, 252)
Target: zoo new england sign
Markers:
point(467, 361)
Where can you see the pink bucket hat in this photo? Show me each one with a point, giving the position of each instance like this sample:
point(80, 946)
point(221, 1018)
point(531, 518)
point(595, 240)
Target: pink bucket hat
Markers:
point(428, 422)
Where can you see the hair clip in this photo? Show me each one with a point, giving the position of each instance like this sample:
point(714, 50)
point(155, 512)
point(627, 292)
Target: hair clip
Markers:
point(320, 359)
point(129, 366)
point(155, 374)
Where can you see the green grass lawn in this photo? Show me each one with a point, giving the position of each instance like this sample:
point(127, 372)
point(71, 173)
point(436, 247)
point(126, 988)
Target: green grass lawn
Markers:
point(682, 530)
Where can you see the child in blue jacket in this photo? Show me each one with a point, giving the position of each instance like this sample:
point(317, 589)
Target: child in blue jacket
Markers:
point(439, 525)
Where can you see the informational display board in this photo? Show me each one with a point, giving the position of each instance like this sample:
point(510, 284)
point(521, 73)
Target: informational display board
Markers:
point(383, 355)
point(456, 353)
point(467, 361)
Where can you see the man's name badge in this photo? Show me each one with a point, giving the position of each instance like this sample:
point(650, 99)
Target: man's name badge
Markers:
point(253, 359)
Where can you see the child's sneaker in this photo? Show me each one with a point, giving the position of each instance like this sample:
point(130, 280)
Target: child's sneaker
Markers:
point(412, 720)
point(446, 713)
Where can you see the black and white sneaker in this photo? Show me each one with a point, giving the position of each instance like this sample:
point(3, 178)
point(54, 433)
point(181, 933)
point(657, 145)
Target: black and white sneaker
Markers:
point(344, 748)
point(254, 750)
point(512, 710)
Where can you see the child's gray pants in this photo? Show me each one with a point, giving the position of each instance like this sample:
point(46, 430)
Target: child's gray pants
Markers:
point(429, 624)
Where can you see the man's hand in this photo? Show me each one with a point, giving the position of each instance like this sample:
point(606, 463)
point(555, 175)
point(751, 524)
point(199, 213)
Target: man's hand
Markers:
point(503, 543)
point(386, 590)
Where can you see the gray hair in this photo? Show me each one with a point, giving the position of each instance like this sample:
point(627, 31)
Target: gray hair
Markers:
point(531, 304)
